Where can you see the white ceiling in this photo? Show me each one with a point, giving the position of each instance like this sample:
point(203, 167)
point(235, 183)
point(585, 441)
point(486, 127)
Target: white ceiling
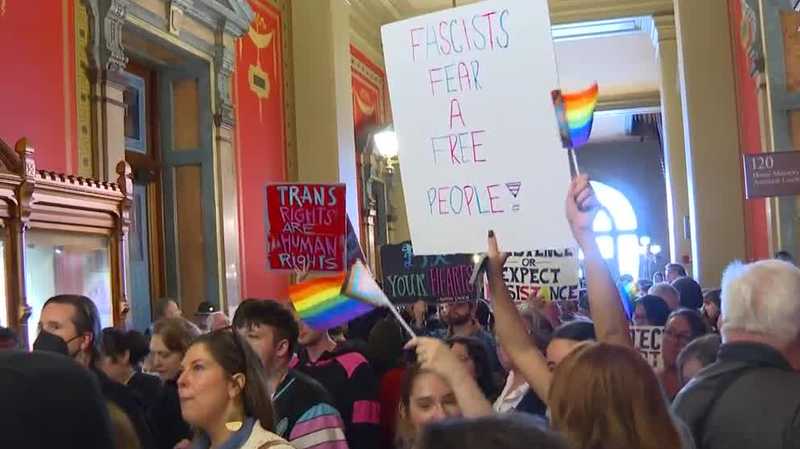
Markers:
point(624, 65)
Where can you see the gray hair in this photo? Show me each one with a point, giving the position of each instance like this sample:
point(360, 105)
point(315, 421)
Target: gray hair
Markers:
point(662, 290)
point(762, 298)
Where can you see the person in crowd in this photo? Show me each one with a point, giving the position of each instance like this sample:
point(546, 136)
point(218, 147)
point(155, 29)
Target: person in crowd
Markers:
point(785, 256)
point(217, 321)
point(8, 339)
point(472, 353)
point(509, 431)
point(122, 354)
point(606, 396)
point(385, 349)
point(698, 354)
point(750, 397)
point(668, 293)
point(462, 322)
point(70, 325)
point(683, 326)
point(349, 378)
point(338, 334)
point(658, 278)
point(565, 338)
point(584, 309)
point(124, 434)
point(304, 410)
point(224, 396)
point(689, 292)
point(673, 272)
point(616, 402)
point(650, 310)
point(712, 305)
point(168, 345)
point(436, 388)
point(642, 286)
point(50, 402)
point(167, 308)
point(204, 310)
point(424, 320)
point(516, 394)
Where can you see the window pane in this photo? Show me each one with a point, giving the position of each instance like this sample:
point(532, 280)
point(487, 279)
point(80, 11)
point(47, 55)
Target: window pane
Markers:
point(606, 245)
point(602, 222)
point(67, 263)
point(628, 255)
point(618, 206)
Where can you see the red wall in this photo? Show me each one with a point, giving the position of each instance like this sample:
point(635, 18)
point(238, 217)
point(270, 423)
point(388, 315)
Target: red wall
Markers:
point(261, 143)
point(756, 225)
point(37, 80)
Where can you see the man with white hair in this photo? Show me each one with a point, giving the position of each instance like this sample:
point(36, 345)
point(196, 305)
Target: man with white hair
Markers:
point(750, 397)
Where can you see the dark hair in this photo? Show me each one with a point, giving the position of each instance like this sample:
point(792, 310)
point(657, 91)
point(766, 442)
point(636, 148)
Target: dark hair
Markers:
point(539, 327)
point(8, 338)
point(714, 296)
point(703, 349)
point(177, 333)
point(236, 356)
point(480, 358)
point(385, 345)
point(507, 431)
point(266, 312)
point(86, 318)
point(656, 309)
point(577, 330)
point(784, 255)
point(696, 322)
point(676, 267)
point(161, 307)
point(115, 342)
point(690, 292)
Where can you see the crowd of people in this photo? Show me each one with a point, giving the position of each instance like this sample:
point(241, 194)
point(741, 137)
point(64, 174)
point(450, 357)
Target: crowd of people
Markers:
point(479, 374)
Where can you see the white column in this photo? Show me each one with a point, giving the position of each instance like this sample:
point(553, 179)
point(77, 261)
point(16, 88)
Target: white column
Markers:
point(716, 200)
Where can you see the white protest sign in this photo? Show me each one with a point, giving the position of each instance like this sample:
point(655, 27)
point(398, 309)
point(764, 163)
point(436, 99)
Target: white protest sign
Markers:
point(550, 275)
point(647, 340)
point(479, 143)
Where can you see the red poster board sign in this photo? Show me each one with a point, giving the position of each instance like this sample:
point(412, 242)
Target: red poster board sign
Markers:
point(306, 227)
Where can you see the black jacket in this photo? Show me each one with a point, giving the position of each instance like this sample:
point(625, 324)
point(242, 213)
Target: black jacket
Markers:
point(129, 403)
point(748, 399)
point(165, 417)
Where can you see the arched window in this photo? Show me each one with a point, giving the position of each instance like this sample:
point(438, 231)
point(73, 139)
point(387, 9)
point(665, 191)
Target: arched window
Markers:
point(616, 229)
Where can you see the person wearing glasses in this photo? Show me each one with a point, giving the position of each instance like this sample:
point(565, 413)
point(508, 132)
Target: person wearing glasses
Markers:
point(224, 396)
point(683, 326)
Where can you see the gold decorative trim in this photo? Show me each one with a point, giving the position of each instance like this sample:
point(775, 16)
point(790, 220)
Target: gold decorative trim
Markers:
point(365, 72)
point(65, 14)
point(83, 92)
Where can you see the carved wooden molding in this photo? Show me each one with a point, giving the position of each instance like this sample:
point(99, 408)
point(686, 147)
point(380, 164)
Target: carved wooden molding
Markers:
point(49, 200)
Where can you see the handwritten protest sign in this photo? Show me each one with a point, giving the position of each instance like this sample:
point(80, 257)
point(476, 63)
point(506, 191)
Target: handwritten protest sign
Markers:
point(544, 274)
point(306, 226)
point(479, 143)
point(408, 277)
point(647, 340)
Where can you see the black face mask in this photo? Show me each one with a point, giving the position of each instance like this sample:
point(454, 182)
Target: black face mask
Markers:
point(51, 343)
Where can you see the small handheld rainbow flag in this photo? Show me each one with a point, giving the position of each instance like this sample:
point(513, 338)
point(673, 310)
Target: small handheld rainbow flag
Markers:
point(575, 114)
point(332, 301)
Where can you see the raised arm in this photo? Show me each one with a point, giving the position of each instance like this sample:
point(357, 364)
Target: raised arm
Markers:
point(434, 355)
point(608, 314)
point(511, 330)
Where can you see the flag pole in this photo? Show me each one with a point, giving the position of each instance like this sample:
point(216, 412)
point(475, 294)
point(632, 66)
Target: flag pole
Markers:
point(402, 321)
point(575, 161)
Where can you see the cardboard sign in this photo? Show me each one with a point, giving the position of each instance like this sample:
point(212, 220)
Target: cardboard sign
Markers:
point(772, 174)
point(306, 226)
point(550, 275)
point(408, 277)
point(647, 340)
point(479, 142)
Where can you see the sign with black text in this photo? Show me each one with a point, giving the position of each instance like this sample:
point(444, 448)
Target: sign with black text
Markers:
point(647, 340)
point(549, 275)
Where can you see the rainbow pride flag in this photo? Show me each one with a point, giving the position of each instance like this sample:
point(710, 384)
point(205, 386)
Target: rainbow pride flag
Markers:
point(331, 301)
point(575, 113)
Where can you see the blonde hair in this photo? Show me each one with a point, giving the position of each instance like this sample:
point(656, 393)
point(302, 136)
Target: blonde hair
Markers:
point(606, 396)
point(125, 436)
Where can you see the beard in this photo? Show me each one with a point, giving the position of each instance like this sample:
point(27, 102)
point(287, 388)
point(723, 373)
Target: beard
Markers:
point(458, 320)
